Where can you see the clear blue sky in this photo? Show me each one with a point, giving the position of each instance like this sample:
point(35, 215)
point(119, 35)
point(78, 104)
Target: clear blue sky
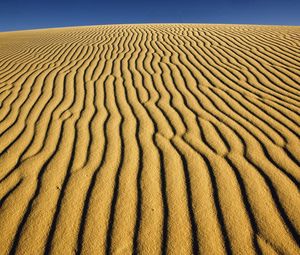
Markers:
point(30, 14)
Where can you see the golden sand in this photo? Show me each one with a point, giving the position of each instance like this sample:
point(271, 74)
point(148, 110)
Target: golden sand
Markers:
point(150, 139)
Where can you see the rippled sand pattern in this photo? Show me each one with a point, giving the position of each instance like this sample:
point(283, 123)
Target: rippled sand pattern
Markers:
point(150, 139)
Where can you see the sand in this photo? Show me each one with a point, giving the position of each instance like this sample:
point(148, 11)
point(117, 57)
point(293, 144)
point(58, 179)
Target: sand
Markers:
point(150, 139)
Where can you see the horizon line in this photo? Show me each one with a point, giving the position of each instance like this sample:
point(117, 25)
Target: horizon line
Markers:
point(145, 23)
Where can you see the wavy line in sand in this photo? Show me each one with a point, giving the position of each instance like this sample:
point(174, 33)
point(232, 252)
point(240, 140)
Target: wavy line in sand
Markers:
point(150, 139)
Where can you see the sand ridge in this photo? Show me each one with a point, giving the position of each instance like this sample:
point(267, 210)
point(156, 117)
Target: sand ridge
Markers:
point(150, 139)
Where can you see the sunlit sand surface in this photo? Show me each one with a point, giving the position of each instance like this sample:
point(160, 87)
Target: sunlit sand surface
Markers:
point(150, 139)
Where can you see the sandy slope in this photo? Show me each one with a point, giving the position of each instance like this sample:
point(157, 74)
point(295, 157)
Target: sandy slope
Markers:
point(150, 139)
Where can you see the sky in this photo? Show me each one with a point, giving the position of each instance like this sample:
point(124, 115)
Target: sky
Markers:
point(33, 14)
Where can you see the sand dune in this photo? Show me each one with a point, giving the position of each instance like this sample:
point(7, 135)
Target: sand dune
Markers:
point(150, 139)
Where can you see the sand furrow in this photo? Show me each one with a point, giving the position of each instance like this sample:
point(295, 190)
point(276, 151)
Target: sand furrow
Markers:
point(150, 139)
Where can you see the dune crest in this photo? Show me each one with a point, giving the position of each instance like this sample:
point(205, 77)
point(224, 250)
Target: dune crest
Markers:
point(151, 139)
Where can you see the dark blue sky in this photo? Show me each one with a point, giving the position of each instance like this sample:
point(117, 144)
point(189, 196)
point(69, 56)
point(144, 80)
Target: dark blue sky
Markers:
point(29, 14)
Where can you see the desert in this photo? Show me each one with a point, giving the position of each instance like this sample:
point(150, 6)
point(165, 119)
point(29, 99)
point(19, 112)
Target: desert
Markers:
point(150, 139)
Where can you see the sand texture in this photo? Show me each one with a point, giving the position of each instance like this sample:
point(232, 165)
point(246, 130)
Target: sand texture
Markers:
point(150, 139)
